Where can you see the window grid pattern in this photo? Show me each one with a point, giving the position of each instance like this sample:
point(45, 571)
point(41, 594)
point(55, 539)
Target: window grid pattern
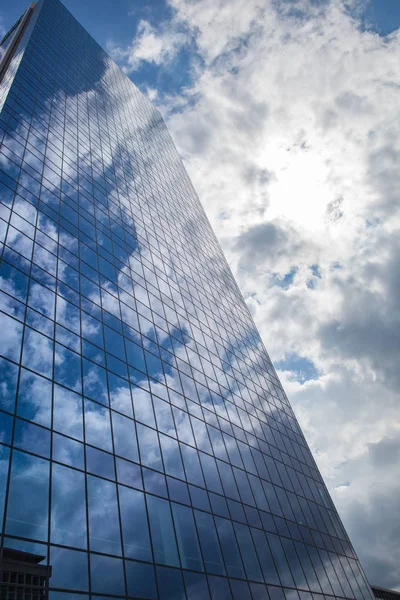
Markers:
point(21, 586)
point(384, 594)
point(147, 447)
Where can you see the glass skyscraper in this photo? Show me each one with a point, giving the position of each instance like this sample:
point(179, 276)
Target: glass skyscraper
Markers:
point(147, 449)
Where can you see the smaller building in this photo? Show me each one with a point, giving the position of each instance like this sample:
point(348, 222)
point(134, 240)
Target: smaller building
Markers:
point(384, 594)
point(21, 575)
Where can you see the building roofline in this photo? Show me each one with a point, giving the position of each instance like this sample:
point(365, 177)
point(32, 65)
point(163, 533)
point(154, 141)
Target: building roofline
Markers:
point(381, 589)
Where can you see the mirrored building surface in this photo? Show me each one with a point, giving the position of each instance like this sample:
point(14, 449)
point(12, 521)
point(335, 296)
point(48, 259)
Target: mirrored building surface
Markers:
point(147, 449)
point(22, 576)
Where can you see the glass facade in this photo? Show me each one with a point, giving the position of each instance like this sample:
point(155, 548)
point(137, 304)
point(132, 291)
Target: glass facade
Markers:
point(147, 449)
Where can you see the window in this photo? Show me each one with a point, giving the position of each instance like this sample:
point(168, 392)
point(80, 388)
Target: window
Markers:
point(186, 534)
point(162, 532)
point(27, 514)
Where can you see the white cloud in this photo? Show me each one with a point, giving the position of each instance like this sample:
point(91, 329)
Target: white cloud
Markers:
point(149, 45)
point(152, 94)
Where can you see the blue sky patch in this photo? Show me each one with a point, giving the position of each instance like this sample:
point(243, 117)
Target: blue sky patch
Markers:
point(380, 16)
point(286, 281)
point(316, 274)
point(302, 368)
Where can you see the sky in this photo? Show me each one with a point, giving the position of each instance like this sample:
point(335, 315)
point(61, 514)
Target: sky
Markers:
point(286, 114)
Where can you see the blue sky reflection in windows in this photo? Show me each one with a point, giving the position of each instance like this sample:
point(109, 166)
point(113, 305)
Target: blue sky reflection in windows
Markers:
point(147, 447)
